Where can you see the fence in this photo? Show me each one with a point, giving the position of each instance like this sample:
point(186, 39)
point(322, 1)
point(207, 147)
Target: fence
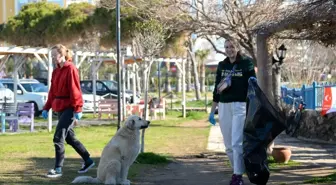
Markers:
point(312, 95)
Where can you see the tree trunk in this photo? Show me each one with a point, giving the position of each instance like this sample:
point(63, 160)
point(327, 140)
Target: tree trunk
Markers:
point(167, 83)
point(134, 84)
point(195, 74)
point(136, 53)
point(31, 66)
point(264, 74)
point(184, 115)
point(146, 82)
point(276, 78)
point(188, 74)
point(145, 110)
point(202, 79)
point(145, 94)
point(179, 80)
point(138, 84)
point(128, 78)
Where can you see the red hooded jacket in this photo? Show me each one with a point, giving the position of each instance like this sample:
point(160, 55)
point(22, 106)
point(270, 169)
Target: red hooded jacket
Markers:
point(65, 91)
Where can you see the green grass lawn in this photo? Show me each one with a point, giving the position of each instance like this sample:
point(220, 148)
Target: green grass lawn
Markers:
point(25, 158)
point(326, 179)
point(273, 165)
point(195, 103)
point(191, 94)
point(86, 116)
point(170, 115)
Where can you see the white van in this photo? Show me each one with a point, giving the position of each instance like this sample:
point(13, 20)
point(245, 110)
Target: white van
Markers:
point(29, 90)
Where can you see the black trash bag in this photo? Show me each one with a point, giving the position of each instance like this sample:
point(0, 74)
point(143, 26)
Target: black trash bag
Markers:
point(263, 123)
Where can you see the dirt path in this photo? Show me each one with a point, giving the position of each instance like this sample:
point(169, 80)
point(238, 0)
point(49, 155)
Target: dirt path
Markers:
point(213, 169)
point(190, 170)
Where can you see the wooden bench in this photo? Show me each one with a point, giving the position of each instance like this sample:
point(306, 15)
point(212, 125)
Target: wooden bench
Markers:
point(110, 107)
point(107, 106)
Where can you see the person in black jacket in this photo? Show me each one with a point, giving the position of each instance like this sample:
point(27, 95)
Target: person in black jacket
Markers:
point(230, 96)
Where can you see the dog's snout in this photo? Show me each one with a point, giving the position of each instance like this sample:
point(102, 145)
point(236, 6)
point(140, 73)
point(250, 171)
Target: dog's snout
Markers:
point(148, 122)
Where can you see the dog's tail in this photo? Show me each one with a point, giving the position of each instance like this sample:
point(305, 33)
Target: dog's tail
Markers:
point(86, 179)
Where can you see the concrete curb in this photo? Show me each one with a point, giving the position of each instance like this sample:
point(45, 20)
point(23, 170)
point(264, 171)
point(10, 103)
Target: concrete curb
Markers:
point(215, 140)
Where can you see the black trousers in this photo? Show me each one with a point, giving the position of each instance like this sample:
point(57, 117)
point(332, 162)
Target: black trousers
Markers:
point(64, 132)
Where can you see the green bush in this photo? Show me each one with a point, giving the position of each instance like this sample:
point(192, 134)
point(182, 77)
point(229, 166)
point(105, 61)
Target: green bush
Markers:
point(326, 179)
point(151, 158)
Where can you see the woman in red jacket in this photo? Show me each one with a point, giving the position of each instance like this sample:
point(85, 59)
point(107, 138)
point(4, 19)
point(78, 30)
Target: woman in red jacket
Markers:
point(65, 98)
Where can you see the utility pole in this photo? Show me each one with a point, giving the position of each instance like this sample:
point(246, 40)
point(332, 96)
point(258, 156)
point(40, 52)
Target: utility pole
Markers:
point(118, 61)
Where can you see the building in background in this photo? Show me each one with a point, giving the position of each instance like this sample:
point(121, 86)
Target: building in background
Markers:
point(9, 8)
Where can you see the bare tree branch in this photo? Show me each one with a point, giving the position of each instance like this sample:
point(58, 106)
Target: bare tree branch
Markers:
point(214, 46)
point(228, 19)
point(306, 62)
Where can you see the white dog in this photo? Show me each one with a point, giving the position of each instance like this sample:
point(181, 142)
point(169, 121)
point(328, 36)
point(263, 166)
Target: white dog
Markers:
point(119, 154)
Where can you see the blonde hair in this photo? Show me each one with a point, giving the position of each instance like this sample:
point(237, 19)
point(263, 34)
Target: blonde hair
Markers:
point(234, 43)
point(63, 51)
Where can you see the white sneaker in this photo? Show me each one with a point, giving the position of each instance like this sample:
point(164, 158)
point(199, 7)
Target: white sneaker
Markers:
point(54, 173)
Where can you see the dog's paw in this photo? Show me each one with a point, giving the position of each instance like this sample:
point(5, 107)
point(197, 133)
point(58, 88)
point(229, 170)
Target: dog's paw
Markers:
point(110, 181)
point(125, 182)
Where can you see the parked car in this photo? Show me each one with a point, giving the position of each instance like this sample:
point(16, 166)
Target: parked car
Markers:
point(6, 95)
point(103, 90)
point(43, 80)
point(114, 86)
point(88, 101)
point(29, 90)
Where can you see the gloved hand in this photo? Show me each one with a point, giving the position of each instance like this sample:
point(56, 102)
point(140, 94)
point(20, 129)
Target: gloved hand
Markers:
point(45, 114)
point(212, 119)
point(78, 115)
point(252, 78)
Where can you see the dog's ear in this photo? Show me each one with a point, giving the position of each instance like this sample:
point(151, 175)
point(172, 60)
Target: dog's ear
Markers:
point(131, 124)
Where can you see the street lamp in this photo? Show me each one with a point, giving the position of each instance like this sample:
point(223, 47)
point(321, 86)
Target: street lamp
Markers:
point(282, 50)
point(281, 55)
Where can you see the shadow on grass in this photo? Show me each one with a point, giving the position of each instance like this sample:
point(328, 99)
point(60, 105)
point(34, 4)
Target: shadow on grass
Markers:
point(35, 174)
point(188, 170)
